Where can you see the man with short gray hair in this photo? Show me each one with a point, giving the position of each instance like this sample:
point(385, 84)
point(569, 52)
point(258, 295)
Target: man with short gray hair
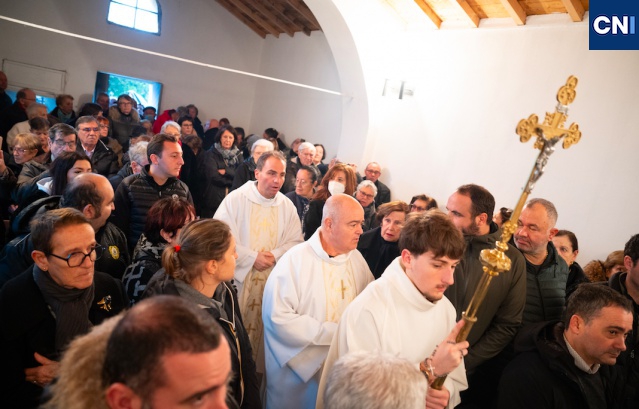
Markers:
point(546, 272)
point(374, 380)
point(305, 154)
point(365, 195)
point(304, 297)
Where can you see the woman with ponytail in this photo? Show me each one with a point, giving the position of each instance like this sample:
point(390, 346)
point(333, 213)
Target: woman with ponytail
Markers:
point(199, 266)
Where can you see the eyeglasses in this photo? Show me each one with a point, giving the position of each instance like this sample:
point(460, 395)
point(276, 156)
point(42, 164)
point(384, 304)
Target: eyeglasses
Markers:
point(75, 259)
point(104, 126)
point(374, 172)
point(366, 195)
point(97, 129)
point(61, 143)
point(20, 150)
point(124, 103)
point(417, 208)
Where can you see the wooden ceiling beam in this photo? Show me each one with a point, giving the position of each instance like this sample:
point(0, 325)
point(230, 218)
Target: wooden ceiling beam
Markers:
point(304, 11)
point(575, 9)
point(429, 12)
point(473, 18)
point(255, 17)
point(515, 11)
point(258, 30)
point(276, 20)
point(287, 19)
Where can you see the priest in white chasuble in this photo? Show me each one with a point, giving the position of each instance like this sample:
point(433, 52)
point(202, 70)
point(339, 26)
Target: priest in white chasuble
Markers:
point(304, 298)
point(405, 312)
point(265, 225)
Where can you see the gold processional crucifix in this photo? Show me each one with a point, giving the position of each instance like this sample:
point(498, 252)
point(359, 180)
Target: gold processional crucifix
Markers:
point(495, 261)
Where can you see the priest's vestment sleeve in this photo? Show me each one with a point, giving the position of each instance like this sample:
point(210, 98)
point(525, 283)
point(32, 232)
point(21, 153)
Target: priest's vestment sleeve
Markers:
point(294, 311)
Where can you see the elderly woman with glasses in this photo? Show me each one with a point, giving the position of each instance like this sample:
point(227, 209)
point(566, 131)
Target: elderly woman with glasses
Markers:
point(380, 245)
point(25, 147)
point(58, 298)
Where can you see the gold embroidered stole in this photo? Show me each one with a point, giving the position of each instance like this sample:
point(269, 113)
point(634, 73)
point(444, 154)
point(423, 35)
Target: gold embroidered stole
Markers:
point(263, 224)
point(339, 283)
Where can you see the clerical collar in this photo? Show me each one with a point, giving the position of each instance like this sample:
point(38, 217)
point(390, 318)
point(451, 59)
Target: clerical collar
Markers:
point(579, 362)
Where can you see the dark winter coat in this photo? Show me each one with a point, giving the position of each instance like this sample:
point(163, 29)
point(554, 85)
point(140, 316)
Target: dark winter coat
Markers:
point(546, 289)
point(212, 187)
point(27, 326)
point(103, 160)
point(135, 196)
point(544, 375)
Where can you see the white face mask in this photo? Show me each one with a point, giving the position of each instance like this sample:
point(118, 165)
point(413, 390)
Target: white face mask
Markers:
point(335, 187)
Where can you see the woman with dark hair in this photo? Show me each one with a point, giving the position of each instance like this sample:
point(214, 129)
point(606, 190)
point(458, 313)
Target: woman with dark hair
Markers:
point(568, 247)
point(379, 246)
point(503, 215)
point(199, 267)
point(339, 179)
point(241, 142)
point(422, 203)
point(215, 171)
point(318, 159)
point(197, 123)
point(163, 224)
point(186, 125)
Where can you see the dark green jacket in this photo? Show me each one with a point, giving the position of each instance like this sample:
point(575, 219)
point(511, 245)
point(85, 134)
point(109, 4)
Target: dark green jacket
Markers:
point(499, 316)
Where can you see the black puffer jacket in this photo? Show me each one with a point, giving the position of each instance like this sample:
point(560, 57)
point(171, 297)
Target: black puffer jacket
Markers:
point(546, 289)
point(544, 375)
point(241, 356)
point(135, 196)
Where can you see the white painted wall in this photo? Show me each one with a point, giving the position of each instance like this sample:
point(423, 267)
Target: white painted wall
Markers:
point(472, 88)
point(298, 112)
point(198, 30)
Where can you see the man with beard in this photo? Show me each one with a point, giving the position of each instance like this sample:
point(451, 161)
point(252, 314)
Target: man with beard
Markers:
point(470, 209)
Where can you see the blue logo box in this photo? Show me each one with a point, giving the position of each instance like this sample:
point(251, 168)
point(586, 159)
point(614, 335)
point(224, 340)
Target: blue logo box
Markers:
point(613, 25)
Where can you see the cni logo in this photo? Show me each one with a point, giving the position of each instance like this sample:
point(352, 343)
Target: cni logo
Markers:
point(617, 25)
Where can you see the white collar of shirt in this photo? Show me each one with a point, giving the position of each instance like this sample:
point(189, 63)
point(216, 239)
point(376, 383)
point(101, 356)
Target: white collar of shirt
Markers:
point(579, 362)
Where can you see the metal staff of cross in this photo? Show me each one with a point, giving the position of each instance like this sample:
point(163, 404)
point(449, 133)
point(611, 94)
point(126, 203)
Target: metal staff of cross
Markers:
point(552, 130)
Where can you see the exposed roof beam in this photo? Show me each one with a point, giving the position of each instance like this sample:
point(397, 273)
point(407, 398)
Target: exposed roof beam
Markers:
point(515, 11)
point(272, 18)
point(255, 17)
point(473, 18)
point(429, 12)
point(258, 30)
point(304, 11)
point(575, 9)
point(287, 19)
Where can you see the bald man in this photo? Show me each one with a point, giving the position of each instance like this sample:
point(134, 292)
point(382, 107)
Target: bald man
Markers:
point(304, 298)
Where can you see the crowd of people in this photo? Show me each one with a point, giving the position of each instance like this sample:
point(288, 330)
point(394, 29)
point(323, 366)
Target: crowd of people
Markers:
point(157, 261)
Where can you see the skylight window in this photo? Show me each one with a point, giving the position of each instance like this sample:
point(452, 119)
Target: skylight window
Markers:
point(143, 15)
